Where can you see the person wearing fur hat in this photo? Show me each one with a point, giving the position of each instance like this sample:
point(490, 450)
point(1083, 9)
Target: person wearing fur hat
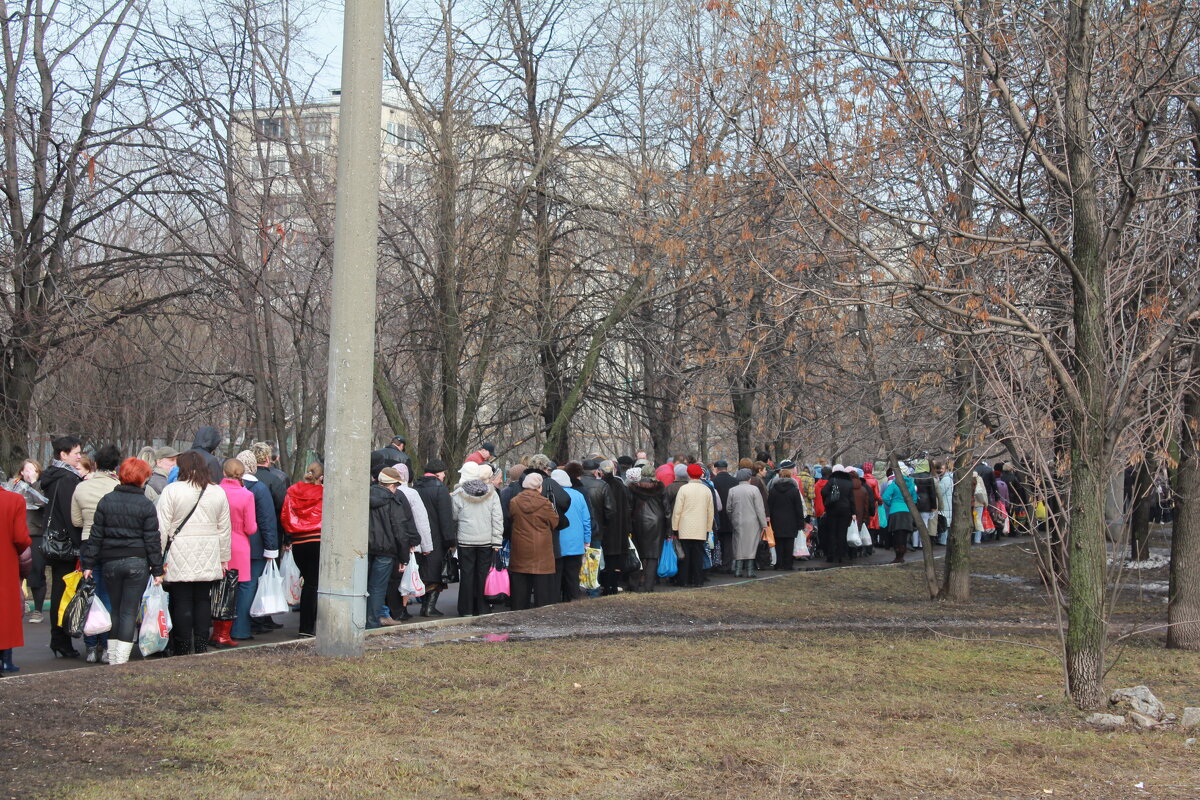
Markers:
point(748, 517)
point(439, 510)
point(480, 532)
point(571, 541)
point(648, 523)
point(615, 541)
point(837, 496)
point(691, 518)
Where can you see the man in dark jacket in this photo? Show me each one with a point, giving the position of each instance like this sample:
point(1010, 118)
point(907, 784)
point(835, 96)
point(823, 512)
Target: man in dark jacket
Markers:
point(264, 545)
point(516, 474)
point(390, 538)
point(207, 440)
point(927, 501)
point(616, 539)
point(600, 501)
point(442, 530)
point(269, 477)
point(394, 453)
point(723, 482)
point(785, 509)
point(58, 484)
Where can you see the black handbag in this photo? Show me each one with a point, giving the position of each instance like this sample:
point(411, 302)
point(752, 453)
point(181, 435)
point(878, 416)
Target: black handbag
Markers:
point(223, 596)
point(58, 546)
point(450, 569)
point(76, 614)
point(632, 562)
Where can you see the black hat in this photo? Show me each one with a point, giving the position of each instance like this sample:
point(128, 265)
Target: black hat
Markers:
point(435, 465)
point(789, 464)
point(491, 448)
point(591, 465)
point(399, 439)
point(722, 464)
point(625, 461)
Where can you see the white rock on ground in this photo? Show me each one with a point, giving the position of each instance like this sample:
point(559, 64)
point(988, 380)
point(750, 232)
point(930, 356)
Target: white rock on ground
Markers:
point(1106, 722)
point(1191, 719)
point(1140, 699)
point(1139, 720)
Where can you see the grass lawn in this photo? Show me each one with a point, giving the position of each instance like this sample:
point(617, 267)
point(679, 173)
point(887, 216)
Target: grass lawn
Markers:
point(841, 684)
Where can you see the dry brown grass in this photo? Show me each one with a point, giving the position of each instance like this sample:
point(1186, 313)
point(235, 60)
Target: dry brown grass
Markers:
point(892, 712)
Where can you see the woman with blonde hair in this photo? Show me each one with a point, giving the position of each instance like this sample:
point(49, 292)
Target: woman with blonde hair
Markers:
point(301, 520)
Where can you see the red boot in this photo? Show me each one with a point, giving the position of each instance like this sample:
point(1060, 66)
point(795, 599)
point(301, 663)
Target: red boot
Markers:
point(220, 633)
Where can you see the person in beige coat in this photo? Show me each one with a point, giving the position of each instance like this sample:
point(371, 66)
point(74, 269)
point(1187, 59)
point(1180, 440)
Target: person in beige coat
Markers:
point(692, 519)
point(193, 517)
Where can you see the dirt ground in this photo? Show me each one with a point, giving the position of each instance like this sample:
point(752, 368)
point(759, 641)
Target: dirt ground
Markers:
point(833, 685)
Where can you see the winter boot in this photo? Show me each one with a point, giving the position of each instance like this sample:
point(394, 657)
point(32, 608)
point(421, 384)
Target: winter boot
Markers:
point(118, 651)
point(200, 645)
point(425, 598)
point(6, 662)
point(737, 568)
point(751, 572)
point(93, 655)
point(181, 644)
point(433, 600)
point(900, 551)
point(220, 633)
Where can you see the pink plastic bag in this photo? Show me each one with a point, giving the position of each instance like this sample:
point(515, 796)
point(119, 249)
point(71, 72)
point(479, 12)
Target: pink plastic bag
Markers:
point(496, 588)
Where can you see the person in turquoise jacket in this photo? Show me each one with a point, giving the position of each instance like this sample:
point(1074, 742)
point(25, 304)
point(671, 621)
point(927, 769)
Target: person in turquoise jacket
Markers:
point(900, 521)
point(571, 541)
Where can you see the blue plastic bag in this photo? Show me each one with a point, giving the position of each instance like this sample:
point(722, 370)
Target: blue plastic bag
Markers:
point(668, 563)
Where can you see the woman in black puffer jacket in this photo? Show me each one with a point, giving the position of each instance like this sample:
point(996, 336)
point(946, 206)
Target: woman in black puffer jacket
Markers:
point(125, 543)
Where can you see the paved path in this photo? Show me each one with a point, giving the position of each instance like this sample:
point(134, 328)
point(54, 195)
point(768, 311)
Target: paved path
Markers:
point(36, 656)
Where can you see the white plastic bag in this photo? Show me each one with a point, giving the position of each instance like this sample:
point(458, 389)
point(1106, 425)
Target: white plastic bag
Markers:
point(290, 574)
point(155, 631)
point(801, 548)
point(98, 619)
point(864, 536)
point(270, 597)
point(852, 539)
point(411, 584)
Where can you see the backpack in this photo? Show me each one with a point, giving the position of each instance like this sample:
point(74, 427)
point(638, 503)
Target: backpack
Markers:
point(833, 493)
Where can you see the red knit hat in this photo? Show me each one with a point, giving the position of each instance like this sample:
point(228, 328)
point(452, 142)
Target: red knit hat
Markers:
point(695, 471)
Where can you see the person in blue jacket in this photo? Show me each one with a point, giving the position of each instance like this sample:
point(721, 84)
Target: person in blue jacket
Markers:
point(571, 541)
point(263, 545)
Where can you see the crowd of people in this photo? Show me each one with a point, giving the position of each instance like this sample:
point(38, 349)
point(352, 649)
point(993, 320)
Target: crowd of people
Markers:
point(189, 521)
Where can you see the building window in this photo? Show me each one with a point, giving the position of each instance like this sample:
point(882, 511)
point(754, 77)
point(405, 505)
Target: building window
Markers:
point(269, 127)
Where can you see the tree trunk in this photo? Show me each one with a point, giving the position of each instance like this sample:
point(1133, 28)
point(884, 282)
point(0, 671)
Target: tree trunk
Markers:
point(1183, 608)
point(741, 396)
point(19, 369)
point(956, 582)
point(1086, 617)
point(1139, 515)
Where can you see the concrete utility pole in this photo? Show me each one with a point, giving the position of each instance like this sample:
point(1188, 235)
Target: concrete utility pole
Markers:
point(341, 604)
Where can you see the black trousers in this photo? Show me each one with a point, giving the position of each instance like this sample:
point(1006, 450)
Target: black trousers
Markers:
point(834, 538)
point(726, 540)
point(308, 561)
point(37, 577)
point(783, 551)
point(473, 566)
point(693, 555)
point(649, 574)
point(59, 638)
point(567, 569)
point(190, 603)
point(521, 584)
point(126, 581)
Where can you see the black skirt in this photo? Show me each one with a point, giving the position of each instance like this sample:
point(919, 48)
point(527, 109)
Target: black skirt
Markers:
point(901, 522)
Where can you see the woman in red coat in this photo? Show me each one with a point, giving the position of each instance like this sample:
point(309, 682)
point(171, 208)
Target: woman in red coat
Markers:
point(14, 542)
point(301, 519)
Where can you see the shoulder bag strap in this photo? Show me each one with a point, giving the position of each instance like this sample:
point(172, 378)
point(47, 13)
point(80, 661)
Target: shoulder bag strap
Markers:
point(178, 528)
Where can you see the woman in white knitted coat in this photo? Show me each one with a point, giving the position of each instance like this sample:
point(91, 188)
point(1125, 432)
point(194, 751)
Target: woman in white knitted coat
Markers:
point(193, 517)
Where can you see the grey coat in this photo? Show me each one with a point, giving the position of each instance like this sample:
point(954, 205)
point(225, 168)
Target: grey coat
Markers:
point(748, 517)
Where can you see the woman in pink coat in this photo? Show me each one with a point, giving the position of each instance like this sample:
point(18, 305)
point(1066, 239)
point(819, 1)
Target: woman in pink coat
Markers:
point(243, 524)
point(14, 543)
